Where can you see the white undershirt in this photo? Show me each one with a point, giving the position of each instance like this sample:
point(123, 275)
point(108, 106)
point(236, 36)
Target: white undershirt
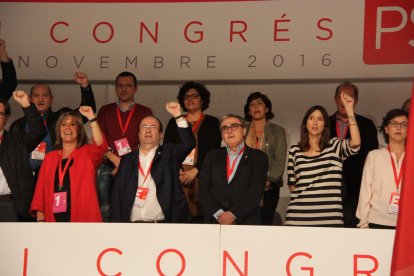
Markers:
point(4, 187)
point(151, 210)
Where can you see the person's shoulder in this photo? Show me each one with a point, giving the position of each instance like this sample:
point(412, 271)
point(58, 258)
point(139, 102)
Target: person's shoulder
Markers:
point(363, 119)
point(130, 156)
point(144, 109)
point(258, 153)
point(216, 152)
point(106, 107)
point(275, 127)
point(294, 147)
point(51, 155)
point(18, 124)
point(210, 118)
point(377, 152)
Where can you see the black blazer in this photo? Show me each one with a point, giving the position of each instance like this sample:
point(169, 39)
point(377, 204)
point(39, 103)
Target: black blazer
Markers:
point(14, 161)
point(164, 171)
point(354, 165)
point(242, 195)
point(9, 83)
point(87, 98)
point(209, 137)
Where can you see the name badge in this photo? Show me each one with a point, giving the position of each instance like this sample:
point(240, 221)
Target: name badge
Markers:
point(122, 146)
point(189, 160)
point(141, 197)
point(39, 152)
point(60, 202)
point(393, 206)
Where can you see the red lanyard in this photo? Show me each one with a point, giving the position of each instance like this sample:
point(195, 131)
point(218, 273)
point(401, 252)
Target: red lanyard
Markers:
point(338, 132)
point(121, 126)
point(230, 169)
point(141, 170)
point(397, 177)
point(198, 122)
point(63, 172)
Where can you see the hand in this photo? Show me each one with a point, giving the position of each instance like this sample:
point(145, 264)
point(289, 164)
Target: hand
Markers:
point(181, 176)
point(173, 108)
point(87, 111)
point(227, 218)
point(348, 102)
point(188, 176)
point(22, 98)
point(114, 171)
point(268, 184)
point(81, 79)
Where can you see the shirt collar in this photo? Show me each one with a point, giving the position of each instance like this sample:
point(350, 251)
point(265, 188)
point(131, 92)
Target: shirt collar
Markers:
point(239, 148)
point(118, 103)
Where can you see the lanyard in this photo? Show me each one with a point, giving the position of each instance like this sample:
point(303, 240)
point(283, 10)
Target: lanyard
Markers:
point(121, 126)
point(141, 170)
point(230, 169)
point(63, 172)
point(397, 177)
point(338, 132)
point(198, 122)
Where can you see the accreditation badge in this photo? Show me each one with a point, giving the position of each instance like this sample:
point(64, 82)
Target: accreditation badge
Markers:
point(393, 206)
point(60, 202)
point(39, 152)
point(141, 197)
point(122, 146)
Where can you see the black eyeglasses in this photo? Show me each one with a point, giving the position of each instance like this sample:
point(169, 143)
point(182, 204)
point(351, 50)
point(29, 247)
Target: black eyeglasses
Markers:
point(232, 127)
point(397, 124)
point(191, 97)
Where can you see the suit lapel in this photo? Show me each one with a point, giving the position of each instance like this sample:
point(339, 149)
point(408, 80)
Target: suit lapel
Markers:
point(155, 174)
point(222, 165)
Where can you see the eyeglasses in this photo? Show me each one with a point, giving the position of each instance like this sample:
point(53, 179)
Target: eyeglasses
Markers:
point(191, 97)
point(397, 124)
point(150, 127)
point(232, 127)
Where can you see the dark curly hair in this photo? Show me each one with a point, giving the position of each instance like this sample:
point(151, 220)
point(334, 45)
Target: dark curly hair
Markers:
point(201, 89)
point(267, 102)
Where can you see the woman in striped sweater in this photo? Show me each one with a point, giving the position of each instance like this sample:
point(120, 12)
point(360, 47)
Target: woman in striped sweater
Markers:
point(315, 169)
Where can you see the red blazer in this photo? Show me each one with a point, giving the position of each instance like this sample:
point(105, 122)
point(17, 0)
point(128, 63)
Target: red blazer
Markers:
point(84, 199)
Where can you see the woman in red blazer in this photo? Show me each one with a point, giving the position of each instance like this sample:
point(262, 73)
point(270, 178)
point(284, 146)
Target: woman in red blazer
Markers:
point(65, 190)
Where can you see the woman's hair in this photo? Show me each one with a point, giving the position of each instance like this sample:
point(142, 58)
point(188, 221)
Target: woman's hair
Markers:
point(406, 105)
point(255, 96)
point(200, 88)
point(304, 133)
point(82, 136)
point(393, 113)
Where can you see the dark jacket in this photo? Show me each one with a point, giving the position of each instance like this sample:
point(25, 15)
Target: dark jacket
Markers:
point(242, 195)
point(9, 83)
point(14, 150)
point(87, 98)
point(208, 138)
point(354, 165)
point(164, 171)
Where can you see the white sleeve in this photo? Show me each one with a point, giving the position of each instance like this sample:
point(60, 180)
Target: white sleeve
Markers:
point(365, 194)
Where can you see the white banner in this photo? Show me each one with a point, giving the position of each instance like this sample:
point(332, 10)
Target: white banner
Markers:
point(246, 40)
point(32, 249)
